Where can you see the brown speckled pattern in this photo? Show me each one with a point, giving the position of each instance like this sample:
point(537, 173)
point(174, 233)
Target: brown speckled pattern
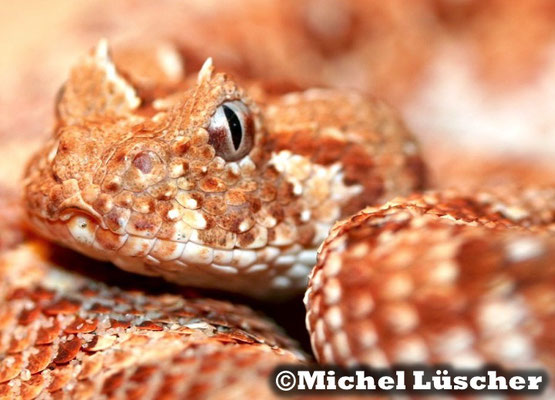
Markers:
point(130, 175)
point(64, 336)
point(439, 278)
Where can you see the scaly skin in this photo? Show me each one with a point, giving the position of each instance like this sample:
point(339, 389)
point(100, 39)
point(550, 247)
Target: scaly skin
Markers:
point(448, 278)
point(73, 329)
point(67, 336)
point(135, 174)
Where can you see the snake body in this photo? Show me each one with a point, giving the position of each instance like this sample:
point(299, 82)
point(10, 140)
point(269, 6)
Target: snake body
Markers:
point(209, 182)
point(65, 336)
point(439, 278)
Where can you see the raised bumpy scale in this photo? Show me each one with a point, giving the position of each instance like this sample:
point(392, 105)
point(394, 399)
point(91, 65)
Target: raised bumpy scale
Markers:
point(195, 181)
point(67, 336)
point(439, 278)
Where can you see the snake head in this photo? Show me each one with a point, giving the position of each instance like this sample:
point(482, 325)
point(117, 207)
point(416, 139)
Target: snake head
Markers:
point(159, 184)
point(194, 181)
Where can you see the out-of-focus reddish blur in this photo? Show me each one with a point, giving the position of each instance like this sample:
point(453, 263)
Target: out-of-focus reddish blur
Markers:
point(473, 78)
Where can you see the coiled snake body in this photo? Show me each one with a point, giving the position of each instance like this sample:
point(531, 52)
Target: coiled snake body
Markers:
point(212, 184)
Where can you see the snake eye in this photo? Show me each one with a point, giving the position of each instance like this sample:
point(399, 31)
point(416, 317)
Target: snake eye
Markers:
point(231, 130)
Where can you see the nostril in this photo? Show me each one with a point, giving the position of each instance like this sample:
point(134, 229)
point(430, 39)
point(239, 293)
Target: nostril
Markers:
point(143, 162)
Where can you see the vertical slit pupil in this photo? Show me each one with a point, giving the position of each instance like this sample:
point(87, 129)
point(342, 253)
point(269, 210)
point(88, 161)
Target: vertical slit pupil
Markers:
point(234, 126)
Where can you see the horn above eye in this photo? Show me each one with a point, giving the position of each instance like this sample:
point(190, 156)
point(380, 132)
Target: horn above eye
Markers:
point(231, 130)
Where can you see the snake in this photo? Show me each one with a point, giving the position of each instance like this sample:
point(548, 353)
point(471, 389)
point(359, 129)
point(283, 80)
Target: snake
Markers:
point(212, 182)
point(204, 186)
point(439, 278)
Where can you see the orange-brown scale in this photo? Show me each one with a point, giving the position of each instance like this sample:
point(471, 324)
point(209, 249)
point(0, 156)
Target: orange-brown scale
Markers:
point(438, 278)
point(145, 190)
point(364, 136)
point(67, 336)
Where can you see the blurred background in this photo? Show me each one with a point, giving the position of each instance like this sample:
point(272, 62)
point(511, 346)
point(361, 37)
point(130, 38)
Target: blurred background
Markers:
point(474, 79)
